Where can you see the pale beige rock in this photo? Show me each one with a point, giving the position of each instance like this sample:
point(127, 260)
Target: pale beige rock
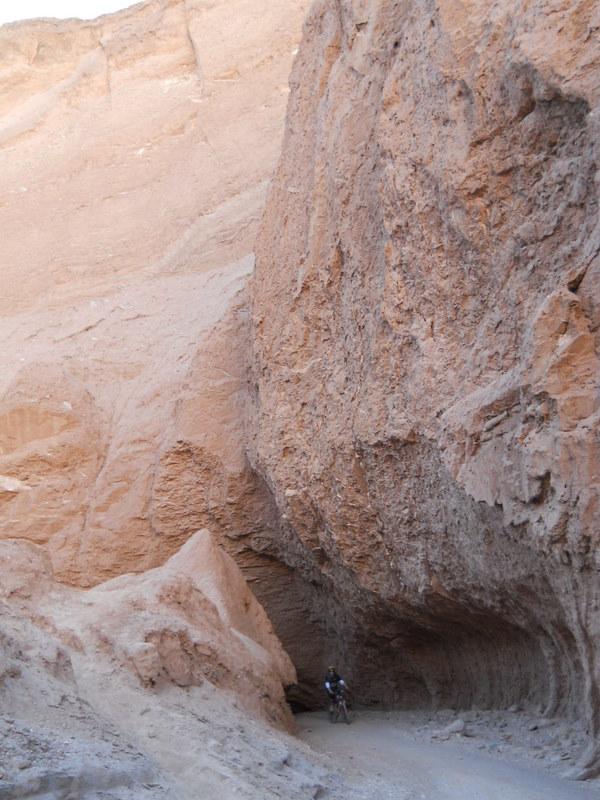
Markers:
point(134, 156)
point(167, 683)
point(140, 143)
point(192, 620)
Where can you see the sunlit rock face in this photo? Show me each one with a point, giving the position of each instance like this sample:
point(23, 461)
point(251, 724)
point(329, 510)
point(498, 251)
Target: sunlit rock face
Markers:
point(152, 679)
point(425, 315)
point(190, 621)
point(135, 152)
point(420, 503)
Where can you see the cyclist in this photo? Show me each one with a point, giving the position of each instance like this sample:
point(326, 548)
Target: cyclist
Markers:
point(334, 685)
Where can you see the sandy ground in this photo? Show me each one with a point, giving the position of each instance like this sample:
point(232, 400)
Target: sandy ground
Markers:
point(406, 756)
point(95, 734)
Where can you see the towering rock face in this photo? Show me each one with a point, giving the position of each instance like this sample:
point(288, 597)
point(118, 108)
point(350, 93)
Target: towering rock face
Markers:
point(426, 308)
point(423, 503)
point(134, 156)
point(127, 140)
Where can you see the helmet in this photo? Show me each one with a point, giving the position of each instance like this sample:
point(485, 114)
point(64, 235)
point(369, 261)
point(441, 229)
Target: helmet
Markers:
point(330, 669)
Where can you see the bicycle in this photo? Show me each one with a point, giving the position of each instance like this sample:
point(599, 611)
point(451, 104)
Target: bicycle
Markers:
point(338, 708)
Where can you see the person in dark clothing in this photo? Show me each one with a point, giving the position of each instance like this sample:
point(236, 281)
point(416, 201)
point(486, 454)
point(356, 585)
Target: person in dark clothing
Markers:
point(334, 683)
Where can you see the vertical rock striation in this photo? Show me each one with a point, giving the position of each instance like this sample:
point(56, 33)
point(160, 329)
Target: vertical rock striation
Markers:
point(425, 317)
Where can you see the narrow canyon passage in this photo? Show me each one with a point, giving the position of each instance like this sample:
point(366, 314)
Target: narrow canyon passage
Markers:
point(301, 320)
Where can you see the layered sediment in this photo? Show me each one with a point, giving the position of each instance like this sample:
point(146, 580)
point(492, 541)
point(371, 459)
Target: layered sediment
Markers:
point(135, 152)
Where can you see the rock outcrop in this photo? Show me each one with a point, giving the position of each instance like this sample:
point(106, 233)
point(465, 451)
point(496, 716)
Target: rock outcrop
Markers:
point(135, 153)
point(162, 685)
point(192, 620)
point(426, 374)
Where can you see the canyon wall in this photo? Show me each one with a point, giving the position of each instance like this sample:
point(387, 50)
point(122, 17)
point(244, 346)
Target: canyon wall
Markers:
point(425, 316)
point(135, 151)
point(406, 464)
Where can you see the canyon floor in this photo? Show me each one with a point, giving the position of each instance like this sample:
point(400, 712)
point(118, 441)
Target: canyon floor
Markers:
point(198, 743)
point(410, 756)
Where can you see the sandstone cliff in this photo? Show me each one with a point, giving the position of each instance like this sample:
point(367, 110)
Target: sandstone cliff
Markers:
point(134, 156)
point(135, 152)
point(422, 499)
point(426, 373)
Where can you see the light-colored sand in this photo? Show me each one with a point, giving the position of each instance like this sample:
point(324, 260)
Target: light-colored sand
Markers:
point(392, 756)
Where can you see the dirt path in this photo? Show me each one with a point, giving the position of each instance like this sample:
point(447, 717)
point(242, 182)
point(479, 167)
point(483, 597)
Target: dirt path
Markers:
point(386, 752)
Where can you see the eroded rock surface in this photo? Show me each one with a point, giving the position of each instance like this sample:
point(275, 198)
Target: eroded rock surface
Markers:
point(161, 685)
point(135, 152)
point(425, 332)
point(192, 620)
point(421, 505)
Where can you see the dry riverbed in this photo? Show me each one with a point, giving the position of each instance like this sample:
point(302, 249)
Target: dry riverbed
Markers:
point(476, 756)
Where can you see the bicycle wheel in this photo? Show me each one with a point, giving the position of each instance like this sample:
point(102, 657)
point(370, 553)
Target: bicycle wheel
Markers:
point(345, 714)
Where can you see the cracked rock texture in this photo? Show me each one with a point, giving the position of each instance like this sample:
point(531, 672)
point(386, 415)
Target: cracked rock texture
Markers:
point(425, 314)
